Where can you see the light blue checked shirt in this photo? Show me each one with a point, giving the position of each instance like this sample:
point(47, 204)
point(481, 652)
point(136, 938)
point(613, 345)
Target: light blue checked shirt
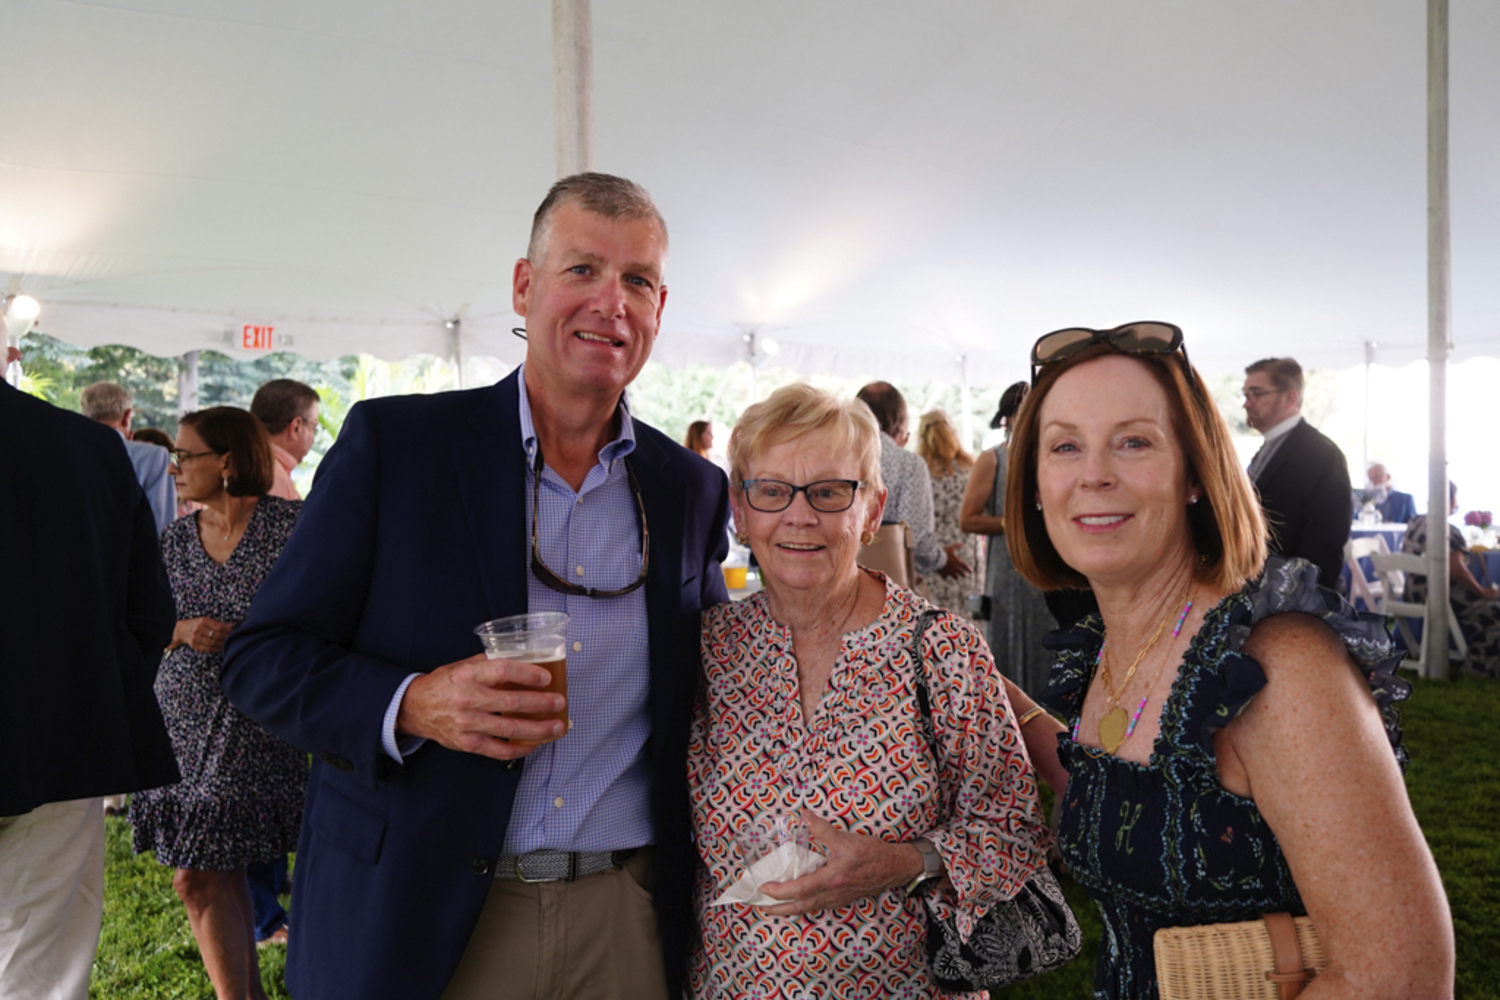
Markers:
point(590, 790)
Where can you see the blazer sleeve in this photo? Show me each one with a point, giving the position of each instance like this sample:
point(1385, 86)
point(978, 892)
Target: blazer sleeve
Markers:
point(150, 613)
point(291, 664)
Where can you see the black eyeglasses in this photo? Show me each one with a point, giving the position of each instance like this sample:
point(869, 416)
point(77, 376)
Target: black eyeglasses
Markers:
point(829, 496)
point(1147, 337)
point(180, 455)
point(551, 580)
point(1255, 392)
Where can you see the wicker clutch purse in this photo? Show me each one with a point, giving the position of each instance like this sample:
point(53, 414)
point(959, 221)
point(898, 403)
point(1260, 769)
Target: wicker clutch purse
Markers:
point(1267, 959)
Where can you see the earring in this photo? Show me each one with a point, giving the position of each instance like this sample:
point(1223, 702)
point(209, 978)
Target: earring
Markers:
point(226, 481)
point(1192, 498)
point(867, 538)
point(1038, 505)
point(742, 538)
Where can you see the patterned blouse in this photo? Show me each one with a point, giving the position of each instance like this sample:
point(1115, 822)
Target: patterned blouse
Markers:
point(863, 765)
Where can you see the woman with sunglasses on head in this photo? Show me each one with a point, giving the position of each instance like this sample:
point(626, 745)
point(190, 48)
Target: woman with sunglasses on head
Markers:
point(240, 797)
point(808, 707)
point(1232, 741)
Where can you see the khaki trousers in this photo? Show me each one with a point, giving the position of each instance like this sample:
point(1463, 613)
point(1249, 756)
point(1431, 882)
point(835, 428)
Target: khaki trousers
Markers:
point(51, 900)
point(593, 939)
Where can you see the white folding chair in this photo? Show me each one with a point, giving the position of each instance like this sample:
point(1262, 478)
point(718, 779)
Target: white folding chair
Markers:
point(1373, 592)
point(1387, 567)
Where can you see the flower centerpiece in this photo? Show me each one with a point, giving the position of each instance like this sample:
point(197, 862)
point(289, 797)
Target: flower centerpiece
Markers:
point(1484, 534)
point(1368, 515)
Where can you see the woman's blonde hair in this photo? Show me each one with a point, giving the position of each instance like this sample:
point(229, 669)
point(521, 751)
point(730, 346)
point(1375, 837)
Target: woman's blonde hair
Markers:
point(938, 443)
point(797, 410)
point(1229, 530)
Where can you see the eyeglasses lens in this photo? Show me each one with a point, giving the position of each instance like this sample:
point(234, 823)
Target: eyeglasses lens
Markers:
point(829, 497)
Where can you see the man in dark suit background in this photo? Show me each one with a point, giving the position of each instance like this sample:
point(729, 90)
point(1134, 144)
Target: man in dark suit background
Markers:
point(85, 612)
point(1302, 476)
point(432, 515)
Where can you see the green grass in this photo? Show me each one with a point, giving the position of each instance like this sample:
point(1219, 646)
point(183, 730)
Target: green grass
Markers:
point(1452, 729)
point(146, 950)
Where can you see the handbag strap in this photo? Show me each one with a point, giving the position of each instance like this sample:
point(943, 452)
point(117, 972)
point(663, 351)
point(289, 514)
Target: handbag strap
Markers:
point(1290, 975)
point(919, 681)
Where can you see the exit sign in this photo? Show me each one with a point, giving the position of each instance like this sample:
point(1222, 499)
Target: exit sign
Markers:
point(256, 338)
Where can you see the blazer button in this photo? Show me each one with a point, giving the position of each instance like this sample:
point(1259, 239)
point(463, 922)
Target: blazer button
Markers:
point(480, 866)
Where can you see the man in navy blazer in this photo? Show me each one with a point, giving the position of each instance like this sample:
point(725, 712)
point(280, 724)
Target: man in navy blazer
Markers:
point(1394, 506)
point(430, 516)
point(85, 612)
point(1301, 475)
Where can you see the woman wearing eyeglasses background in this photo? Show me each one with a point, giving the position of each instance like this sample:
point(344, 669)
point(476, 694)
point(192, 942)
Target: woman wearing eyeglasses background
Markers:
point(240, 797)
point(808, 707)
point(1230, 725)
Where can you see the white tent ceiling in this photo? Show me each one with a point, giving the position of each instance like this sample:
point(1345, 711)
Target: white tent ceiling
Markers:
point(880, 186)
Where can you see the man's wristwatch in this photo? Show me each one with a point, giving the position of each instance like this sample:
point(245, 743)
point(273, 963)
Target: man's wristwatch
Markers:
point(932, 868)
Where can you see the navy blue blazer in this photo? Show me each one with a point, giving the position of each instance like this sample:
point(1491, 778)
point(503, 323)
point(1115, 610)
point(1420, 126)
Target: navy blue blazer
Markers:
point(1304, 491)
point(414, 534)
point(85, 611)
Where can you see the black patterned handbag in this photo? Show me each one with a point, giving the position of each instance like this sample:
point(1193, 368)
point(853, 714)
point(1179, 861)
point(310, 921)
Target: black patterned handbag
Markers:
point(1018, 938)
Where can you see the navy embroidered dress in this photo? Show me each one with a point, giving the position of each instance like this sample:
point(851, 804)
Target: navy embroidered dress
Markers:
point(1164, 844)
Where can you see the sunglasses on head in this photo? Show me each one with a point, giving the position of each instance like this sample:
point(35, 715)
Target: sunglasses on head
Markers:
point(1147, 337)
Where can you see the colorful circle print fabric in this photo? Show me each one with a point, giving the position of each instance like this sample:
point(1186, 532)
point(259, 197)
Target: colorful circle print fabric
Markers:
point(861, 763)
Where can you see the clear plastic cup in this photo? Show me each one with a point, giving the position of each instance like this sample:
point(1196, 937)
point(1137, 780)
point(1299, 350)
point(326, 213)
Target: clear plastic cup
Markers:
point(540, 638)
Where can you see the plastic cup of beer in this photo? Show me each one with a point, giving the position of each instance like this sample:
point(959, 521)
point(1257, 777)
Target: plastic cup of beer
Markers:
point(540, 638)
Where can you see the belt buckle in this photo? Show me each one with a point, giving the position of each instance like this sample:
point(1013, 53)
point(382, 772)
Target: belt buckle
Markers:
point(521, 872)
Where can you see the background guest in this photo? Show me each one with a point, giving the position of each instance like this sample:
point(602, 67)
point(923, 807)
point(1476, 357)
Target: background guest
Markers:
point(1474, 605)
point(84, 613)
point(1018, 615)
point(1302, 476)
point(949, 463)
point(240, 797)
point(156, 436)
point(700, 438)
point(1232, 724)
point(1393, 506)
point(909, 485)
point(289, 411)
point(110, 404)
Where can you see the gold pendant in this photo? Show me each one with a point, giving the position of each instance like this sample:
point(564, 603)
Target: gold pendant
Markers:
point(1112, 729)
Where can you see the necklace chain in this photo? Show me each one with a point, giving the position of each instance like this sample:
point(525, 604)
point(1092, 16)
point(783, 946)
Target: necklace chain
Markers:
point(1111, 692)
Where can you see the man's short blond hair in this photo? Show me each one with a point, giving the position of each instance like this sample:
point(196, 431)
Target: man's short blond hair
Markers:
point(797, 410)
point(603, 194)
point(104, 401)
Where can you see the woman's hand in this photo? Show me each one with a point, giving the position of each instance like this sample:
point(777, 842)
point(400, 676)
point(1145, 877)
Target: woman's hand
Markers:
point(206, 635)
point(858, 866)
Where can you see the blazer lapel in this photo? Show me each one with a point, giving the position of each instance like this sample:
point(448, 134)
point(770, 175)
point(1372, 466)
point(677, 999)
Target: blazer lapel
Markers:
point(1282, 456)
point(491, 471)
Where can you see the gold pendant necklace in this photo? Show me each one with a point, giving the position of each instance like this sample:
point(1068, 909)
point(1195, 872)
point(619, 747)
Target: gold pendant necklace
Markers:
point(1116, 726)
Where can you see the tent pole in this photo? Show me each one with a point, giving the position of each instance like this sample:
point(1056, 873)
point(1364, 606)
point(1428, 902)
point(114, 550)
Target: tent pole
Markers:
point(1369, 363)
point(456, 324)
point(1439, 291)
point(573, 86)
point(963, 401)
point(187, 383)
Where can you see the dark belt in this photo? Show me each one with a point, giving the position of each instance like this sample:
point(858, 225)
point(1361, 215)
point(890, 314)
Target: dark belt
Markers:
point(560, 866)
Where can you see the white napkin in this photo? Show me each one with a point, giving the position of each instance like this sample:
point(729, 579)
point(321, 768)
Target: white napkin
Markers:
point(787, 862)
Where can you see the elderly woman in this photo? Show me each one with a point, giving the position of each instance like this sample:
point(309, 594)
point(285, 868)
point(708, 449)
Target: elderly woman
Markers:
point(808, 707)
point(240, 798)
point(1230, 733)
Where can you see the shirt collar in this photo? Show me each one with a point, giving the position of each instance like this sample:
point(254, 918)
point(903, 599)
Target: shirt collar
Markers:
point(622, 444)
point(283, 457)
point(1283, 428)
